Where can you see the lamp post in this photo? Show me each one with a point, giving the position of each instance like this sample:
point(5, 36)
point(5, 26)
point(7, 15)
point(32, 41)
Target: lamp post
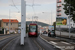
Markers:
point(36, 19)
point(51, 16)
point(9, 21)
point(69, 18)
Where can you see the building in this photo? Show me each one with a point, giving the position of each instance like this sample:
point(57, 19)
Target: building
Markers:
point(13, 24)
point(0, 23)
point(60, 13)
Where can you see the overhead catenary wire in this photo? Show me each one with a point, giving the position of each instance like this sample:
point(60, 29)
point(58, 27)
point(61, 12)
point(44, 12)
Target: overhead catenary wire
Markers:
point(33, 7)
point(14, 5)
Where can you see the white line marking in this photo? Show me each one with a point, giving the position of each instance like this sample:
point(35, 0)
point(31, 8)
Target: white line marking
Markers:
point(8, 43)
point(53, 42)
point(65, 42)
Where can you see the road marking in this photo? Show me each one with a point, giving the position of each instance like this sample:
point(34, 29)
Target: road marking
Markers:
point(6, 37)
point(53, 42)
point(8, 43)
point(65, 43)
point(40, 48)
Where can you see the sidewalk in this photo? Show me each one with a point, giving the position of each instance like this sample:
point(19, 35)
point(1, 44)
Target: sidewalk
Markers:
point(58, 44)
point(1, 34)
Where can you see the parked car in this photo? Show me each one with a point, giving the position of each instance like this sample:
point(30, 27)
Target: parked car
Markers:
point(51, 34)
point(44, 32)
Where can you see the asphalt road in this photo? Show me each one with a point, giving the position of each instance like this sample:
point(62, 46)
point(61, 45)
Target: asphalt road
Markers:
point(6, 41)
point(30, 43)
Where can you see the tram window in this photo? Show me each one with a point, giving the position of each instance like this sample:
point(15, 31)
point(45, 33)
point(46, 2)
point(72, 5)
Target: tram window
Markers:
point(32, 28)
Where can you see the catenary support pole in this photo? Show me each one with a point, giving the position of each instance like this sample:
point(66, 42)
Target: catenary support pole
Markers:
point(22, 21)
point(25, 18)
point(9, 21)
point(32, 19)
point(69, 21)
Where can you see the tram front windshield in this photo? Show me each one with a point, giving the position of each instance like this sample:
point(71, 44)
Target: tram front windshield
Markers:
point(32, 28)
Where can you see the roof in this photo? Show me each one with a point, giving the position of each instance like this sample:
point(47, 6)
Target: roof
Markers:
point(33, 24)
point(11, 20)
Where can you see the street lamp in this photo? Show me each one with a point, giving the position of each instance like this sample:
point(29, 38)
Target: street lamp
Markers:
point(9, 17)
point(69, 17)
point(36, 19)
point(51, 16)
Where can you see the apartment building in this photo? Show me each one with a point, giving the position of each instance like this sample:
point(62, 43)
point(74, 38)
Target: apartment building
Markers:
point(13, 24)
point(60, 13)
point(0, 23)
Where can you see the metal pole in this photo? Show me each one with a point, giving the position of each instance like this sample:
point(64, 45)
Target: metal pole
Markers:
point(32, 19)
point(60, 32)
point(9, 21)
point(23, 21)
point(69, 21)
point(51, 17)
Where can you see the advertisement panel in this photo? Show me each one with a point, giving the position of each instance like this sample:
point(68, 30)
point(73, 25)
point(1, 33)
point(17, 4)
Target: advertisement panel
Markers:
point(51, 27)
point(61, 20)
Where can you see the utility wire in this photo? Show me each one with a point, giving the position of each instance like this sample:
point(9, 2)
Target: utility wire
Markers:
point(14, 5)
point(33, 7)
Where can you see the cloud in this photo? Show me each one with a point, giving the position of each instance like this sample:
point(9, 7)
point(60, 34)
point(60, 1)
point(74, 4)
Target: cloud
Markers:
point(41, 1)
point(18, 2)
point(4, 16)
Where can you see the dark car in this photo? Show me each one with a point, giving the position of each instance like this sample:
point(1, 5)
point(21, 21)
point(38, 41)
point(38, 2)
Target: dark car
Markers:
point(51, 34)
point(44, 32)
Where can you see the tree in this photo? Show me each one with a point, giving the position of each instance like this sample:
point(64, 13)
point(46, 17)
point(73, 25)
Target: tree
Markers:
point(69, 4)
point(54, 24)
point(26, 28)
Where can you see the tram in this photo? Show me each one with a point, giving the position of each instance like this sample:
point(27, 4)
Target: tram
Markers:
point(33, 30)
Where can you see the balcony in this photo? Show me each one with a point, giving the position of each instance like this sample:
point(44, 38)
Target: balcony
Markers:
point(59, 14)
point(58, 10)
point(58, 1)
point(59, 5)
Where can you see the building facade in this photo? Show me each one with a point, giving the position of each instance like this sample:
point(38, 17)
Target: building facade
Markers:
point(0, 23)
point(13, 24)
point(60, 13)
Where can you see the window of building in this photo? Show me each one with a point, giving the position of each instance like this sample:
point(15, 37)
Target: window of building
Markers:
point(0, 23)
point(58, 1)
point(11, 28)
point(11, 23)
point(6, 24)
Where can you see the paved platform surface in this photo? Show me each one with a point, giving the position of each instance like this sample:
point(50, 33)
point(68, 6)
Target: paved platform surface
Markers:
point(59, 44)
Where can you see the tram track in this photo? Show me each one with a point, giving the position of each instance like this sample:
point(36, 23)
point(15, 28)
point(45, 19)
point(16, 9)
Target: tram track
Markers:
point(37, 44)
point(6, 43)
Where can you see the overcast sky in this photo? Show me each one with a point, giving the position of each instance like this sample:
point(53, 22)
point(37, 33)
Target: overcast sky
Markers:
point(46, 6)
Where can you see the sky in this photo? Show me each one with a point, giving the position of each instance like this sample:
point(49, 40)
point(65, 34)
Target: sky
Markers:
point(44, 9)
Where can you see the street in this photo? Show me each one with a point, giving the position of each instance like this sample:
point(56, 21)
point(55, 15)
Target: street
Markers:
point(31, 43)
